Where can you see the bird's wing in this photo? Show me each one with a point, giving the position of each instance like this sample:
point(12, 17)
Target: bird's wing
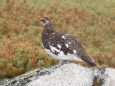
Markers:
point(70, 45)
point(67, 44)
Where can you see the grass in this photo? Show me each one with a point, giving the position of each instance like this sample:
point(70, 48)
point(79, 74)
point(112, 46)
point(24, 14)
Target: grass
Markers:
point(92, 22)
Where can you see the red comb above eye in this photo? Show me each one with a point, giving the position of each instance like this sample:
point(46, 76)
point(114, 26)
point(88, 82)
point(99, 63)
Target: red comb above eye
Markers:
point(43, 18)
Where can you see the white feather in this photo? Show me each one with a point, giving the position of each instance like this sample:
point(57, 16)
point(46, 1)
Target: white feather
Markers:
point(53, 49)
point(63, 37)
point(74, 51)
point(59, 45)
point(67, 45)
point(62, 56)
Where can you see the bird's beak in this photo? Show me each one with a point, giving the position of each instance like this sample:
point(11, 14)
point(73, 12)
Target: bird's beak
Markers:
point(41, 20)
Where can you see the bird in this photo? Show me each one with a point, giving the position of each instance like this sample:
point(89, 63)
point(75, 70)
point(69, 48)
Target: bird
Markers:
point(61, 45)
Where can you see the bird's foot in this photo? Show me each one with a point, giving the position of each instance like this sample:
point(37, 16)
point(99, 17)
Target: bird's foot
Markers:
point(61, 62)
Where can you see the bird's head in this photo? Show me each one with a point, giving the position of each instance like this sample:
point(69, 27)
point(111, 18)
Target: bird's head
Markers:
point(45, 21)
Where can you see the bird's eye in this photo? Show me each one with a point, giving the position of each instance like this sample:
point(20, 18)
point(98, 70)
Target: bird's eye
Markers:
point(42, 20)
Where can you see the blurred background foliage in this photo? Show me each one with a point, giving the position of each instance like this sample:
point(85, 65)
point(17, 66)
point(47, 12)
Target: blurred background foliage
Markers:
point(90, 21)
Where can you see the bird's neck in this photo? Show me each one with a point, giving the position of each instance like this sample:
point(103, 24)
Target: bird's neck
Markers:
point(48, 29)
point(48, 26)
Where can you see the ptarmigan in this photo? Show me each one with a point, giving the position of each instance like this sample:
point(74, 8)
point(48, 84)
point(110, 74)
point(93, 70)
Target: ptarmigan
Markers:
point(62, 46)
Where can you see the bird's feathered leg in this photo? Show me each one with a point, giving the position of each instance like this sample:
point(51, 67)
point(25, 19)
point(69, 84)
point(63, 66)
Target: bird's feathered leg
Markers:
point(61, 62)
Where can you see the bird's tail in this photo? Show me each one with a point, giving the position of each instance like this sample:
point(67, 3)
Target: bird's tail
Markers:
point(90, 61)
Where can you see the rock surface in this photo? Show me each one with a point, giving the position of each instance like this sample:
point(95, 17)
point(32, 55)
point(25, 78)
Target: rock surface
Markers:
point(68, 74)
